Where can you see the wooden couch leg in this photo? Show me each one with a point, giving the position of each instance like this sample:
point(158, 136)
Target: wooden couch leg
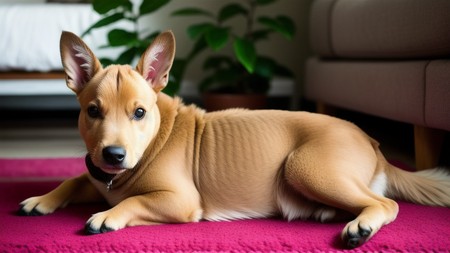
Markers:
point(428, 146)
point(325, 109)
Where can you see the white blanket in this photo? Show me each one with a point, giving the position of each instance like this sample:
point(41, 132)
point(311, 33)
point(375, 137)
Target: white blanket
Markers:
point(29, 33)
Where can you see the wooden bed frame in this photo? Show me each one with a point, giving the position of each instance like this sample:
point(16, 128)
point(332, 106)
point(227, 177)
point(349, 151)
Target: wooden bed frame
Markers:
point(24, 75)
point(41, 100)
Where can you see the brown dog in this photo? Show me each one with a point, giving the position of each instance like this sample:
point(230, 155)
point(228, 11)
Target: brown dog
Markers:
point(156, 160)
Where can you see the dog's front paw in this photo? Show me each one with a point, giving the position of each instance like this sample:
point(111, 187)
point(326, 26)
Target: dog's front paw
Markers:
point(355, 234)
point(103, 222)
point(36, 206)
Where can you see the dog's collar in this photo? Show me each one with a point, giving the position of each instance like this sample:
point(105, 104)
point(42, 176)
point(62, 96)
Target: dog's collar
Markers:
point(98, 173)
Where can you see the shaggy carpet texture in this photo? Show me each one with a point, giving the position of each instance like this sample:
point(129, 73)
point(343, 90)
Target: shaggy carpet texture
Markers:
point(417, 228)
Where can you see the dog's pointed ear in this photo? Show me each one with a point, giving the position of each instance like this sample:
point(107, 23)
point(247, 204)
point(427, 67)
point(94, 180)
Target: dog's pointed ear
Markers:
point(79, 63)
point(156, 61)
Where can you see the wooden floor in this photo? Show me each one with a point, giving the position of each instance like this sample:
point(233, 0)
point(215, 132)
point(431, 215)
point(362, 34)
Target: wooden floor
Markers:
point(40, 142)
point(35, 134)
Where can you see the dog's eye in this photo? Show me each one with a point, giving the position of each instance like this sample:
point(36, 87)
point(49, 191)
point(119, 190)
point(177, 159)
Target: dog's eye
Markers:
point(93, 111)
point(139, 114)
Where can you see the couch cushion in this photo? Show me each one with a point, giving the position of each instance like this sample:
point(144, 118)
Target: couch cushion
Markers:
point(393, 90)
point(437, 95)
point(380, 28)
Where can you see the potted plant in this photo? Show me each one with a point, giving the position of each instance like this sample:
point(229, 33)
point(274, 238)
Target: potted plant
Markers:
point(135, 39)
point(246, 72)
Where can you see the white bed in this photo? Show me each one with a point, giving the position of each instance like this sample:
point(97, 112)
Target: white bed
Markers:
point(30, 65)
point(30, 33)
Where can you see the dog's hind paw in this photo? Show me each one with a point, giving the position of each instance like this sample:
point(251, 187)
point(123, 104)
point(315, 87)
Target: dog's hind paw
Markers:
point(355, 234)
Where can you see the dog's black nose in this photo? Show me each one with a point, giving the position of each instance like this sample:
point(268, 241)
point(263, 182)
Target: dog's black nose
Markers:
point(114, 155)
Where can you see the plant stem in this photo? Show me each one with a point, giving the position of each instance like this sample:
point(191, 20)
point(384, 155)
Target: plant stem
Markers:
point(136, 23)
point(250, 17)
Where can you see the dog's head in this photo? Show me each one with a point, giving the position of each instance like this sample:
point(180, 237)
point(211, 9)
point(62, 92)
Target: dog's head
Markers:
point(119, 116)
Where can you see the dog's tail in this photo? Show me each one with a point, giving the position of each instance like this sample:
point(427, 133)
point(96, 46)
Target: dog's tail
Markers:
point(426, 187)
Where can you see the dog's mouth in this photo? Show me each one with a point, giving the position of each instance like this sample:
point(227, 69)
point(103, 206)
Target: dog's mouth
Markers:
point(102, 174)
point(113, 169)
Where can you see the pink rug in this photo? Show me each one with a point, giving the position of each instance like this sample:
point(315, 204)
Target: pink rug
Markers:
point(417, 228)
point(48, 168)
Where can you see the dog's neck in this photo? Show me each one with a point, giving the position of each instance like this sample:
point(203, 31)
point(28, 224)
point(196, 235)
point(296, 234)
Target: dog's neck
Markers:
point(98, 173)
point(168, 109)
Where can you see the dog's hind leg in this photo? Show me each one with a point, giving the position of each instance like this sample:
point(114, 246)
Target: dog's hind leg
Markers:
point(374, 212)
point(339, 176)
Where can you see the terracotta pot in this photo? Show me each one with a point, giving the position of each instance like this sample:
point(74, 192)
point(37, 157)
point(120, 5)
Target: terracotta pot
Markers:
point(218, 101)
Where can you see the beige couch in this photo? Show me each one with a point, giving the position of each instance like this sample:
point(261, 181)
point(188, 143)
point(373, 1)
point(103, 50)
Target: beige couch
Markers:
point(388, 58)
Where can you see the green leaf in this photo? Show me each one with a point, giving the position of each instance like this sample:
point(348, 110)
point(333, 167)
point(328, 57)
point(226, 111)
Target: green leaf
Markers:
point(118, 37)
point(265, 67)
point(152, 36)
point(217, 37)
point(148, 6)
point(246, 53)
point(195, 31)
point(260, 35)
point(190, 11)
point(264, 2)
point(268, 67)
point(270, 22)
point(172, 88)
point(175, 77)
point(104, 46)
point(230, 11)
point(128, 6)
point(127, 56)
point(104, 22)
point(281, 24)
point(198, 47)
point(106, 62)
point(178, 67)
point(287, 25)
point(226, 78)
point(104, 6)
point(216, 62)
point(142, 44)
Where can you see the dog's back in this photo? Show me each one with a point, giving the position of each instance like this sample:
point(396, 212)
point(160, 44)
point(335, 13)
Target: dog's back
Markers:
point(242, 157)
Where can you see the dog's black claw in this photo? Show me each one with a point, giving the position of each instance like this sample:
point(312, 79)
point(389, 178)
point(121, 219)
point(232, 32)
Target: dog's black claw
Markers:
point(354, 240)
point(88, 229)
point(33, 212)
point(105, 229)
point(363, 232)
